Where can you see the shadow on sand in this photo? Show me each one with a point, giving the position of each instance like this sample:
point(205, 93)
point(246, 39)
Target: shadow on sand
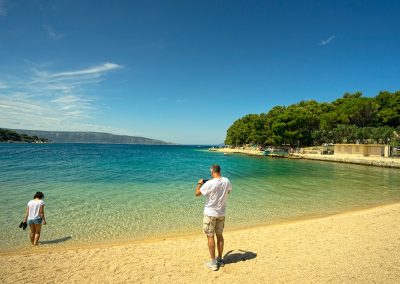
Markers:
point(231, 257)
point(56, 241)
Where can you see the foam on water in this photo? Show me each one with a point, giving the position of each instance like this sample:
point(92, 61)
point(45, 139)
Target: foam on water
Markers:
point(106, 193)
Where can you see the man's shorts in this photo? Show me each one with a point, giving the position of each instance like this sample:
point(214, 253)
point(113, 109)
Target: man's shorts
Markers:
point(213, 225)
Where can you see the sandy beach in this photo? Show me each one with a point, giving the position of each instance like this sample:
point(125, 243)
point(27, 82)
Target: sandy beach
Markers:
point(357, 247)
point(246, 151)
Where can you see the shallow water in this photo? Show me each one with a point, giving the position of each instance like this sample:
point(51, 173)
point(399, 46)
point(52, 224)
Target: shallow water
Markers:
point(105, 193)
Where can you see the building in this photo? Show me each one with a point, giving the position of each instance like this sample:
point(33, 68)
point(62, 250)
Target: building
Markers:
point(376, 150)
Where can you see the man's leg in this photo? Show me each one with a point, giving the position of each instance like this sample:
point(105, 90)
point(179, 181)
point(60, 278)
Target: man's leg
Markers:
point(209, 230)
point(211, 246)
point(220, 245)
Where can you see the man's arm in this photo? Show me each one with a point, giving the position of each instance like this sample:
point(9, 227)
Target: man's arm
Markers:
point(197, 191)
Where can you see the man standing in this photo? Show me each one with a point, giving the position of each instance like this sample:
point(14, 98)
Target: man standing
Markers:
point(216, 192)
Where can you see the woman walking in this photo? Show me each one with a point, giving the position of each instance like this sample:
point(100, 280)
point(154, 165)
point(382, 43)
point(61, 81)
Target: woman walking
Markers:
point(35, 216)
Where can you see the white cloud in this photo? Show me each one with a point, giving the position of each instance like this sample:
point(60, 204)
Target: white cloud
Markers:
point(89, 71)
point(78, 104)
point(327, 41)
point(52, 33)
point(53, 100)
point(40, 117)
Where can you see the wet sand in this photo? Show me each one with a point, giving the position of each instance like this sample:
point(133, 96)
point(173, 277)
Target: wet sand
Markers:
point(357, 247)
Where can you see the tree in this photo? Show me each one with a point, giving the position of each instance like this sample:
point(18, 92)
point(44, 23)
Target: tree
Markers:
point(388, 108)
point(350, 119)
point(7, 135)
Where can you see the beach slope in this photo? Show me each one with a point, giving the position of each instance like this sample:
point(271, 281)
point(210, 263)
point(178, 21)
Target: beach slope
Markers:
point(357, 247)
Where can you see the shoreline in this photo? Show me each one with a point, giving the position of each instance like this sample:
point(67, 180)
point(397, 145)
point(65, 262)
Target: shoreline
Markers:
point(347, 159)
point(250, 152)
point(352, 159)
point(50, 246)
point(361, 246)
point(176, 237)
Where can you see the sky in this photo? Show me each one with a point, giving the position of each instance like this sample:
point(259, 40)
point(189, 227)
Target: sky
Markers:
point(184, 71)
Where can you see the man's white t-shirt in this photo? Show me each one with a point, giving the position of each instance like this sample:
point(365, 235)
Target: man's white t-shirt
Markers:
point(216, 192)
point(34, 206)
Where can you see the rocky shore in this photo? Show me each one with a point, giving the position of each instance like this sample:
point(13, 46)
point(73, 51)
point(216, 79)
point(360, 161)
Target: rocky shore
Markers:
point(352, 159)
point(349, 159)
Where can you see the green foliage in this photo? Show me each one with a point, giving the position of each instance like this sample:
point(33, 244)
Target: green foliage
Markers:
point(350, 119)
point(389, 108)
point(248, 130)
point(7, 135)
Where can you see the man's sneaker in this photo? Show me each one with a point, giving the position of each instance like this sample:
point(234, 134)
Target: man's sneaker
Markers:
point(212, 264)
point(220, 262)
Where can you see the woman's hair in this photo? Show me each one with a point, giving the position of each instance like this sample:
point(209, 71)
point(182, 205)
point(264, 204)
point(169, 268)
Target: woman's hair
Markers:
point(39, 195)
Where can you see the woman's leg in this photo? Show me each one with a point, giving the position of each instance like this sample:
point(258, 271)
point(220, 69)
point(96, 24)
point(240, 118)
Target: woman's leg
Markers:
point(32, 234)
point(37, 233)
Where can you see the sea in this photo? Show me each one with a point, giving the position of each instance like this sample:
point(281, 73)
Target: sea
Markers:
point(107, 193)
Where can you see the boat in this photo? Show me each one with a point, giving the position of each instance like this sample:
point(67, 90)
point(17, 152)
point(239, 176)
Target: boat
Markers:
point(275, 153)
point(268, 151)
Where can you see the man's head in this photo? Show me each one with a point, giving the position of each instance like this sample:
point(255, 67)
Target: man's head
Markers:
point(215, 170)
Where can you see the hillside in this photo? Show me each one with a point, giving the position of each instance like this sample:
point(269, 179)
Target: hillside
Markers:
point(350, 119)
point(90, 137)
point(7, 135)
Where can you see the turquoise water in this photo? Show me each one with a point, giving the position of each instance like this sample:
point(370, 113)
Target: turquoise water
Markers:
point(109, 193)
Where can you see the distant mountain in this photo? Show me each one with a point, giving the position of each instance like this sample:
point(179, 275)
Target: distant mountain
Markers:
point(90, 137)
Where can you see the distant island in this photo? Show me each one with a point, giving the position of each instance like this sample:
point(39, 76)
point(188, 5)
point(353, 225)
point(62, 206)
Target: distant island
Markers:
point(7, 135)
point(79, 137)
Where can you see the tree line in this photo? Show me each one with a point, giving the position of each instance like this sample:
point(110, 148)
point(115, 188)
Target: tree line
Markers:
point(350, 119)
point(7, 135)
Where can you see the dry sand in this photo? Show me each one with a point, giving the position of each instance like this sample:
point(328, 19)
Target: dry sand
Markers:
point(247, 151)
point(355, 247)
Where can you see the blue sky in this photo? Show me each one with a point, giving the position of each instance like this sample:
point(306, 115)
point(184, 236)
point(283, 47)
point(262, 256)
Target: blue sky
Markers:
point(184, 71)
